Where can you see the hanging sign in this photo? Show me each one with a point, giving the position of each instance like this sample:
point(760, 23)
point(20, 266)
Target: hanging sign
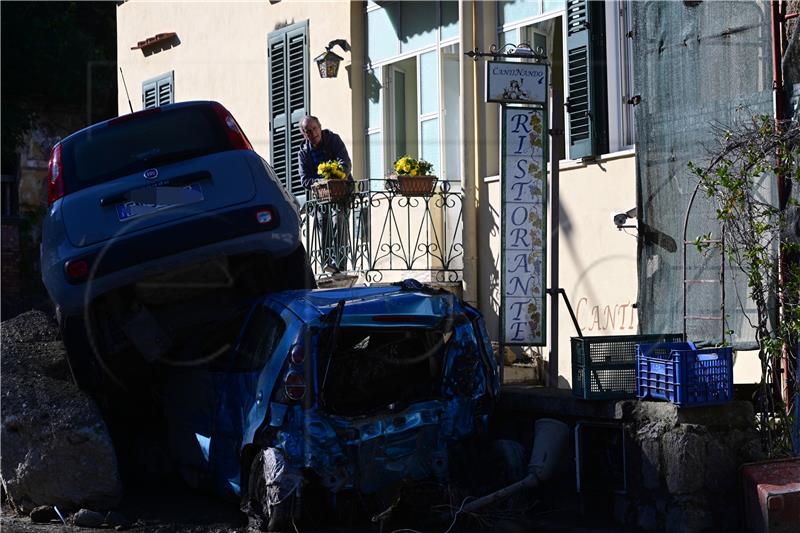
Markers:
point(516, 83)
point(524, 208)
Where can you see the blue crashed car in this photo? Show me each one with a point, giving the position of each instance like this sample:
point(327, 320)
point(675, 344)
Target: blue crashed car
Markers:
point(339, 394)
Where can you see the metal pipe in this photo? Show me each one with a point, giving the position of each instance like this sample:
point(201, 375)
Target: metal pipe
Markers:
point(555, 137)
point(468, 14)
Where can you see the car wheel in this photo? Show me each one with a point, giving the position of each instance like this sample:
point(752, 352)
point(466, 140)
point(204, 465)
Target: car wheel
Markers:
point(273, 501)
point(80, 354)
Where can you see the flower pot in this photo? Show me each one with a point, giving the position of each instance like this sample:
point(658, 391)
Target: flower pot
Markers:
point(331, 190)
point(411, 185)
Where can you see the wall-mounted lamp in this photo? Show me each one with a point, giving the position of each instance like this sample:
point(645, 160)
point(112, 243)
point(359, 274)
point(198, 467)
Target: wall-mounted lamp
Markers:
point(328, 63)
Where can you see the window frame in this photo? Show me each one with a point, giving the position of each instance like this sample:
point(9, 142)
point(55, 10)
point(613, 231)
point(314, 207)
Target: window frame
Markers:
point(619, 69)
point(387, 111)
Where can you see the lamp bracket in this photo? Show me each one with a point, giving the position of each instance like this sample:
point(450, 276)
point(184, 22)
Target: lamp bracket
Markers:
point(341, 42)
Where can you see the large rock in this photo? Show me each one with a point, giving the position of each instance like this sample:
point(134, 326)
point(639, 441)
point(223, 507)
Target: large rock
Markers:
point(56, 449)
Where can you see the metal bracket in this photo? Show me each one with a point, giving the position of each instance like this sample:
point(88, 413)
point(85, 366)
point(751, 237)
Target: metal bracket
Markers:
point(563, 293)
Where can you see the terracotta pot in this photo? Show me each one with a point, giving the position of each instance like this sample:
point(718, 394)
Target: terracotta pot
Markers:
point(411, 185)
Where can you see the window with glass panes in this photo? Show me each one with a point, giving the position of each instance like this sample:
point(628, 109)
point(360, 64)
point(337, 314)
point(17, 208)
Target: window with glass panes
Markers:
point(588, 47)
point(412, 89)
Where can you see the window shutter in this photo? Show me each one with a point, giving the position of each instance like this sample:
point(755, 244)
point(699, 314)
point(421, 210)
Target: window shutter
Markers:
point(288, 101)
point(298, 90)
point(158, 91)
point(165, 94)
point(148, 95)
point(586, 101)
point(277, 108)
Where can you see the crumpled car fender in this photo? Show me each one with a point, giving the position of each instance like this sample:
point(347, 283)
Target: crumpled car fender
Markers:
point(278, 478)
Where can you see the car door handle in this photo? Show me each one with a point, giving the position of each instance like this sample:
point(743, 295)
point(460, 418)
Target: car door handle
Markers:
point(259, 395)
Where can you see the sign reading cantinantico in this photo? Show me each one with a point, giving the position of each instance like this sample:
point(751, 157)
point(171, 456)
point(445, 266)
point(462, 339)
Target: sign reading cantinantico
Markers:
point(516, 83)
point(524, 181)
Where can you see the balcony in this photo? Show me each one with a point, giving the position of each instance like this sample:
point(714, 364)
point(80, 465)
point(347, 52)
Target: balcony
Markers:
point(376, 235)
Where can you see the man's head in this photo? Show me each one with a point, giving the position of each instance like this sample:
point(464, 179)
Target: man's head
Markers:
point(311, 130)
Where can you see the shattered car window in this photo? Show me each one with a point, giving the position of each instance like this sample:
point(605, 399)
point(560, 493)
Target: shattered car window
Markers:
point(371, 368)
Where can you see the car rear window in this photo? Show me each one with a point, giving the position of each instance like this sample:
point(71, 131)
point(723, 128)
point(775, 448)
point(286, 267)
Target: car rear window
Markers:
point(134, 145)
point(375, 367)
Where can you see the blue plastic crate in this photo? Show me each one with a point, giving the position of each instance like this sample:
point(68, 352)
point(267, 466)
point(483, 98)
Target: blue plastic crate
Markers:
point(684, 375)
point(604, 367)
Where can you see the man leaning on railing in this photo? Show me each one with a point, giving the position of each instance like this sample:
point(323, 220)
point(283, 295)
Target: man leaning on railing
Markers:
point(321, 146)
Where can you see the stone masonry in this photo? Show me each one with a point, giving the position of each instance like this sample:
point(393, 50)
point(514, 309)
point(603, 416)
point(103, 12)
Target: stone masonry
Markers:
point(683, 473)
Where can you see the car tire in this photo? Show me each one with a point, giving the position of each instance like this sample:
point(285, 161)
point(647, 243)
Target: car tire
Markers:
point(80, 355)
point(262, 517)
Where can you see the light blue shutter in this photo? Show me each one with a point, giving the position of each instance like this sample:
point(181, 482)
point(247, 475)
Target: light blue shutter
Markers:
point(149, 95)
point(158, 91)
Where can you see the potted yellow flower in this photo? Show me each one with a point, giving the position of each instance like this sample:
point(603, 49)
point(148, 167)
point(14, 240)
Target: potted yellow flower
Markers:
point(412, 177)
point(334, 184)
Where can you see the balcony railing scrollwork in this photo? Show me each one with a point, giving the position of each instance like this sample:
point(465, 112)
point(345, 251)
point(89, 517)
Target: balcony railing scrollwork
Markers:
point(375, 232)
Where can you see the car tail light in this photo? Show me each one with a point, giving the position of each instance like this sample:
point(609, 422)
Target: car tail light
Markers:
point(297, 354)
point(77, 269)
point(235, 134)
point(295, 385)
point(55, 176)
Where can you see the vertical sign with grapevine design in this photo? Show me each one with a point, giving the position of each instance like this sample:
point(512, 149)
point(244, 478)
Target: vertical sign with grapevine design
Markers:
point(524, 208)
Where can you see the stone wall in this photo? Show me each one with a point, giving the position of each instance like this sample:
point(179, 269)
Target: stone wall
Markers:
point(683, 465)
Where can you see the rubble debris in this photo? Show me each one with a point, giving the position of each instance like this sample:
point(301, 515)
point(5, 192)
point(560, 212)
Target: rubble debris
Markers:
point(550, 438)
point(88, 518)
point(117, 520)
point(56, 449)
point(43, 514)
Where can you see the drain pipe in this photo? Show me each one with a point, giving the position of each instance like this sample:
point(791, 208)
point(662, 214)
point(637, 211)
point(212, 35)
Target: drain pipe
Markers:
point(549, 440)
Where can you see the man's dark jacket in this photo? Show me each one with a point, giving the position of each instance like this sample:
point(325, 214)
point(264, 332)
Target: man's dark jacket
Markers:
point(330, 148)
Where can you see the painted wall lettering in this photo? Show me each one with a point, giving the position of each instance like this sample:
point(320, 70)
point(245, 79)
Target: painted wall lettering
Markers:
point(523, 213)
point(619, 317)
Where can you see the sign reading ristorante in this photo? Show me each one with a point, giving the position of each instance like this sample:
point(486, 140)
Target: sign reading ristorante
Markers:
point(516, 83)
point(524, 207)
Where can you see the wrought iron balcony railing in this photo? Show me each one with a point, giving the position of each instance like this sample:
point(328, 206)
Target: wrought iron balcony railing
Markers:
point(380, 232)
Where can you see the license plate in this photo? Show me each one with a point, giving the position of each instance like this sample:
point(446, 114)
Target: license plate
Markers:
point(152, 199)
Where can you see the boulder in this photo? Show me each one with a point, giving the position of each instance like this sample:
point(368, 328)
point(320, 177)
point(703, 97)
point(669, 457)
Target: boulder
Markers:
point(56, 449)
point(87, 518)
point(43, 514)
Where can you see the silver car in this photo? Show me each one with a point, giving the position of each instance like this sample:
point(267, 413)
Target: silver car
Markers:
point(161, 226)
